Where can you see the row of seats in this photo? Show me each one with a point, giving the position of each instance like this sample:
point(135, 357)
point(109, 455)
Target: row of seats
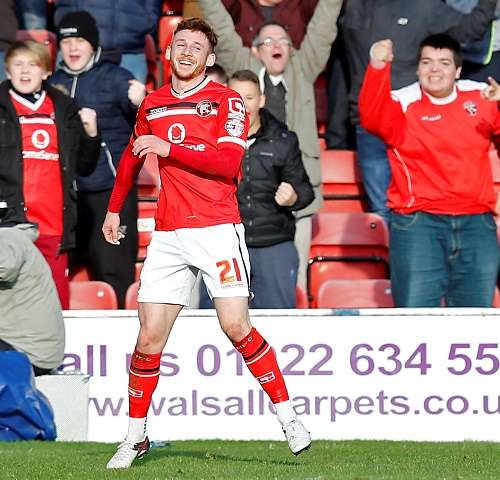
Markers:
point(333, 293)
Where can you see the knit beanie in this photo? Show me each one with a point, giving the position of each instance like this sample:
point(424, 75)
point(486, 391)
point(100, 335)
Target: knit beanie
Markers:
point(79, 24)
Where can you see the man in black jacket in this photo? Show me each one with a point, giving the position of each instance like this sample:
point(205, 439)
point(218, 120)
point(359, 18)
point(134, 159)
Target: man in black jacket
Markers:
point(407, 24)
point(274, 184)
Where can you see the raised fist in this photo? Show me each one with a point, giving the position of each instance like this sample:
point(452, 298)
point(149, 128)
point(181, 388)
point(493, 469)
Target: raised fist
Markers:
point(381, 53)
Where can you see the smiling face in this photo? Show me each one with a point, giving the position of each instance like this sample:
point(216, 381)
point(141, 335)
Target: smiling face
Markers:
point(25, 72)
point(76, 52)
point(437, 71)
point(189, 55)
point(273, 49)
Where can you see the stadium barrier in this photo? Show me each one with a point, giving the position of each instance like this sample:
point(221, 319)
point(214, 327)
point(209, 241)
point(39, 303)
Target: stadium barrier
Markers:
point(396, 374)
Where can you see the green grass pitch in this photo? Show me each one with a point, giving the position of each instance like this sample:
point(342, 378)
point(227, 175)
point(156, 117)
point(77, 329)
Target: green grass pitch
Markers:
point(267, 460)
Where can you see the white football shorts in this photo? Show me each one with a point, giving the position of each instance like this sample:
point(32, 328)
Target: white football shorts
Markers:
point(174, 258)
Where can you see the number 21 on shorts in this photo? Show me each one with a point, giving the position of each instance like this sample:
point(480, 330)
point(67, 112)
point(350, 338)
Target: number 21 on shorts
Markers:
point(229, 271)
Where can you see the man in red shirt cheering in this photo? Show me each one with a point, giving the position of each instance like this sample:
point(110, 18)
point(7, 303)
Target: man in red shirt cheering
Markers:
point(198, 129)
point(438, 133)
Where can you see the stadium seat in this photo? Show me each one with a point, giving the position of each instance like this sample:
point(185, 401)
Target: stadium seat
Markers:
point(92, 295)
point(342, 185)
point(145, 227)
point(364, 293)
point(172, 7)
point(351, 245)
point(80, 273)
point(166, 28)
point(152, 78)
point(131, 296)
point(148, 181)
point(43, 36)
point(301, 298)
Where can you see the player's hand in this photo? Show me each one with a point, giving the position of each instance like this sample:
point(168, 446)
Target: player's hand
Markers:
point(150, 144)
point(285, 196)
point(110, 228)
point(88, 116)
point(381, 53)
point(492, 91)
point(136, 92)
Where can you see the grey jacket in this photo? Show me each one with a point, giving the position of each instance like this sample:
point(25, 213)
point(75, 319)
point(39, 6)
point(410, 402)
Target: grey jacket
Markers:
point(31, 319)
point(304, 67)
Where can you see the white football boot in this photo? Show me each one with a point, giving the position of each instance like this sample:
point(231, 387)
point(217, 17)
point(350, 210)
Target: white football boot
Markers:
point(127, 452)
point(297, 436)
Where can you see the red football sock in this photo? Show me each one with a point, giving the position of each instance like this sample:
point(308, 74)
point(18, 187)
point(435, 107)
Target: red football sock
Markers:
point(261, 361)
point(143, 378)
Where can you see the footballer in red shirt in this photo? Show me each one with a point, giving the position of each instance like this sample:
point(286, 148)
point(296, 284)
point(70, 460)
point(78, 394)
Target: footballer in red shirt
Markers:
point(197, 128)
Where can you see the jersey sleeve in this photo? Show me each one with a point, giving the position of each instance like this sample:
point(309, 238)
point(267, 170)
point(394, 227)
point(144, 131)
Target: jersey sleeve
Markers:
point(130, 165)
point(381, 114)
point(231, 134)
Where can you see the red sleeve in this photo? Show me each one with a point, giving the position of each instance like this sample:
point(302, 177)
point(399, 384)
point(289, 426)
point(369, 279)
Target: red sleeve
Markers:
point(129, 165)
point(231, 130)
point(495, 137)
point(380, 114)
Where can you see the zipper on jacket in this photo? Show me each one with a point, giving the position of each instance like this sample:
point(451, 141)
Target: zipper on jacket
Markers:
point(73, 86)
point(109, 158)
point(408, 178)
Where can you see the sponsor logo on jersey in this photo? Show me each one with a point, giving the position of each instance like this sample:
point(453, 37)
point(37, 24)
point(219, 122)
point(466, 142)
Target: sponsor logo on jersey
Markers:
point(470, 108)
point(157, 110)
point(431, 118)
point(234, 127)
point(40, 139)
point(236, 108)
point(176, 133)
point(204, 108)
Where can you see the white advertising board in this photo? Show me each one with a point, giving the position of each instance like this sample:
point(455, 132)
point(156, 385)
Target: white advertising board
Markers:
point(375, 374)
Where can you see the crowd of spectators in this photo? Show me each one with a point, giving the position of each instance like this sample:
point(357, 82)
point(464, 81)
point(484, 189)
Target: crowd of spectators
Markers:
point(287, 44)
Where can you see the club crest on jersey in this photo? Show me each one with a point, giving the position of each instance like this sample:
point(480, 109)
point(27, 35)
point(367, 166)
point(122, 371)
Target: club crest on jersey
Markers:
point(204, 108)
point(470, 108)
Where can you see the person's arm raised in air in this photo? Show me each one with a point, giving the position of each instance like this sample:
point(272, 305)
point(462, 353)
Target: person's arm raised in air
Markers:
point(380, 113)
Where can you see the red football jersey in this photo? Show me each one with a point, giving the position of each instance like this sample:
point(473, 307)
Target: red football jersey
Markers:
point(207, 128)
point(43, 194)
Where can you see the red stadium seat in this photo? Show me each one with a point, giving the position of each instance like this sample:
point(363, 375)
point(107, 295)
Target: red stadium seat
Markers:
point(152, 78)
point(145, 227)
point(347, 246)
point(92, 295)
point(342, 185)
point(172, 7)
point(166, 28)
point(131, 296)
point(301, 298)
point(148, 181)
point(321, 100)
point(365, 293)
point(43, 36)
point(80, 273)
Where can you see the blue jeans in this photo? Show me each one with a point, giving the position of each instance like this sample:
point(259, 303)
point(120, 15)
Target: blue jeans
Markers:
point(375, 171)
point(135, 63)
point(436, 257)
point(273, 277)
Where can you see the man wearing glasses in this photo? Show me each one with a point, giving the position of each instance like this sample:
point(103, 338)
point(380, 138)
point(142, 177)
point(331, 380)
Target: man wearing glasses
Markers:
point(287, 79)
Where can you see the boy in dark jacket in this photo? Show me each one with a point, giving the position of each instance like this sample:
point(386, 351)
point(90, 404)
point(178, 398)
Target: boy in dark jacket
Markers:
point(115, 95)
point(46, 142)
point(274, 184)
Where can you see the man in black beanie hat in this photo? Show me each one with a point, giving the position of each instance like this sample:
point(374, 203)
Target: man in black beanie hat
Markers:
point(97, 83)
